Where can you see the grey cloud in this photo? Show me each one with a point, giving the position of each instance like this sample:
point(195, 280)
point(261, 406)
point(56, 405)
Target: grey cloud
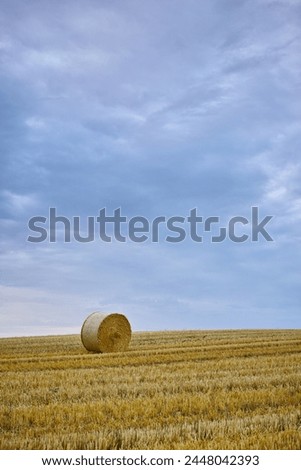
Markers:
point(156, 109)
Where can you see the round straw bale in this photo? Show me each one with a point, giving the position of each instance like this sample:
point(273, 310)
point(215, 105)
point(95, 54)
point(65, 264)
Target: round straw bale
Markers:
point(106, 332)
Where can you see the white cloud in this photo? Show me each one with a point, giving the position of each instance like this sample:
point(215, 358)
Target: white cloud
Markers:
point(36, 123)
point(282, 183)
point(5, 44)
point(18, 203)
point(28, 311)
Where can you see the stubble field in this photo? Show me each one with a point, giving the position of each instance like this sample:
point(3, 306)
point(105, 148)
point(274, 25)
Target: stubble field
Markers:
point(234, 389)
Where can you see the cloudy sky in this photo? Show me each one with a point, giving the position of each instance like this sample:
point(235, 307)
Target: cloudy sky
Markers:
point(155, 107)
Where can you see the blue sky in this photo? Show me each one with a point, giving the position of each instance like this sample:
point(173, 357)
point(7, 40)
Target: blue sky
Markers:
point(156, 107)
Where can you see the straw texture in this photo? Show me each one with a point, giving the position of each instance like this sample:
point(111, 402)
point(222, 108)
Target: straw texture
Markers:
point(106, 332)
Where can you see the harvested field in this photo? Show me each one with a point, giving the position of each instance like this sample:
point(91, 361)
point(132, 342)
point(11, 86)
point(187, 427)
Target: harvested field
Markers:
point(234, 389)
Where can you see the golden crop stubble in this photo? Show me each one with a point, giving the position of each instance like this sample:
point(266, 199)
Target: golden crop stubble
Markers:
point(202, 389)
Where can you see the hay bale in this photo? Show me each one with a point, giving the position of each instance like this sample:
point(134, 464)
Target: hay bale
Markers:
point(106, 332)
